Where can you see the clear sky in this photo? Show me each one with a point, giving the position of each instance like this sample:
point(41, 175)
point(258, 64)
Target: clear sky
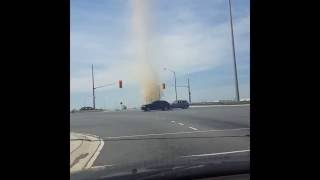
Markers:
point(192, 37)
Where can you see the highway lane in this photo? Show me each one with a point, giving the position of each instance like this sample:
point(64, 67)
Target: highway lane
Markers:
point(183, 132)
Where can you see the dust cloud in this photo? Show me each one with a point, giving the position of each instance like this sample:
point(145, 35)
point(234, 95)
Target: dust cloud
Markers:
point(142, 35)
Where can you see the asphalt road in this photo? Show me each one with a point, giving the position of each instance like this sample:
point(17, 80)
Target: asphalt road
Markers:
point(165, 135)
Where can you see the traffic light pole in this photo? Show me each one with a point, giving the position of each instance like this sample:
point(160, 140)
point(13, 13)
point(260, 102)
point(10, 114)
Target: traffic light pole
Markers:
point(234, 56)
point(189, 91)
point(93, 89)
point(175, 84)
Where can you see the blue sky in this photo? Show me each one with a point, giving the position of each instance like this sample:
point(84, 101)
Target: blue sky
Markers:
point(190, 36)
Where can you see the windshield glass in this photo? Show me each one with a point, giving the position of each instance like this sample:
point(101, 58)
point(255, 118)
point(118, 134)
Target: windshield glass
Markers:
point(192, 55)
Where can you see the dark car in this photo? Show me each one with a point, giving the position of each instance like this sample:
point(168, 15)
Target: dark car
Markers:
point(156, 105)
point(180, 104)
point(86, 108)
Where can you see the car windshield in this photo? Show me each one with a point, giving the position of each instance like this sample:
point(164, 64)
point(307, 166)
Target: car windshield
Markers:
point(159, 84)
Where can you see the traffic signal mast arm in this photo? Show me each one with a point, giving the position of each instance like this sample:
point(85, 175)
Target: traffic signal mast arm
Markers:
point(120, 85)
point(177, 86)
point(105, 85)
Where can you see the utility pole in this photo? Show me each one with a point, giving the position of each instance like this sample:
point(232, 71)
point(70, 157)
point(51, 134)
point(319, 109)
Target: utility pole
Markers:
point(234, 56)
point(189, 91)
point(93, 88)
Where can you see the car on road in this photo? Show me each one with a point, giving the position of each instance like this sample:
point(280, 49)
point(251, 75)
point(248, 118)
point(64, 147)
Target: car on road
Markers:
point(156, 105)
point(86, 108)
point(183, 104)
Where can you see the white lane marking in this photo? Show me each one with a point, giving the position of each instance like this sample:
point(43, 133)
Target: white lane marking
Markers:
point(181, 124)
point(193, 128)
point(214, 154)
point(94, 157)
point(94, 167)
point(173, 121)
point(182, 132)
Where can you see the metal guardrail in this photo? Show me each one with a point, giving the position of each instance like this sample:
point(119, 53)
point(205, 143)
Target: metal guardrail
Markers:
point(220, 103)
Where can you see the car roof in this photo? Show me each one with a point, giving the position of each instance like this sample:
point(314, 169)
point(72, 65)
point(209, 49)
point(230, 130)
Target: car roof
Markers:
point(180, 101)
point(159, 101)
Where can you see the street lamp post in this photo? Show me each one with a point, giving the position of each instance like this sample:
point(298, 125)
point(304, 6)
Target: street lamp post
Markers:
point(175, 84)
point(175, 81)
point(189, 92)
point(234, 55)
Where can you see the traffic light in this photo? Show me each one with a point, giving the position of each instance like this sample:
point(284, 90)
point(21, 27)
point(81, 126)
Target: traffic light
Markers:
point(120, 83)
point(163, 86)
